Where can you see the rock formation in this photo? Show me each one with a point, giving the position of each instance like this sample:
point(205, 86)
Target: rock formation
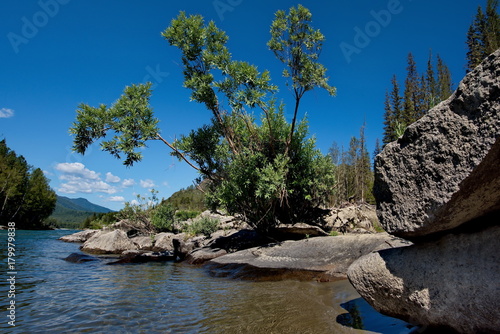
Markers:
point(103, 242)
point(444, 172)
point(439, 185)
point(322, 258)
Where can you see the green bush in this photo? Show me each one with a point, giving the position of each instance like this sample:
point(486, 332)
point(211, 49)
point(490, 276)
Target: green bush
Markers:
point(204, 225)
point(183, 215)
point(162, 218)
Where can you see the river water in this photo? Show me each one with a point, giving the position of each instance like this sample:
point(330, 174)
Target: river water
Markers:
point(55, 296)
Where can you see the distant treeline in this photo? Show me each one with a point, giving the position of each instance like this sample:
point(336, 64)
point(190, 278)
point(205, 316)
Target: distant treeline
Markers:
point(25, 195)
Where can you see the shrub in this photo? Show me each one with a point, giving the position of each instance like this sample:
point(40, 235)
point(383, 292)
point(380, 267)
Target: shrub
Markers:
point(183, 215)
point(204, 225)
point(162, 218)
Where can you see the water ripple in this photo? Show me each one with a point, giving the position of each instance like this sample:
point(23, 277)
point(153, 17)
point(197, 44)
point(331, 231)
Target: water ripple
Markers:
point(55, 296)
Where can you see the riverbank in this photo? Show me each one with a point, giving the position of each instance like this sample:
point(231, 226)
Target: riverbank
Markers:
point(172, 297)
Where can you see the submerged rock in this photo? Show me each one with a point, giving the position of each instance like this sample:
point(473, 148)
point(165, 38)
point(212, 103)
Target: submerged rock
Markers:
point(321, 258)
point(80, 258)
point(444, 171)
point(143, 257)
point(448, 283)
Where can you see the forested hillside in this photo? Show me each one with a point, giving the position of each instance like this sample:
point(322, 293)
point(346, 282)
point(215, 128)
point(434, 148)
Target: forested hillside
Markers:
point(25, 195)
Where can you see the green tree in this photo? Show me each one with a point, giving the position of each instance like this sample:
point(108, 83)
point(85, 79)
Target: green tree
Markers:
point(483, 35)
point(412, 107)
point(269, 171)
point(297, 45)
point(353, 172)
point(421, 93)
point(39, 201)
point(444, 82)
point(393, 115)
point(25, 195)
point(376, 151)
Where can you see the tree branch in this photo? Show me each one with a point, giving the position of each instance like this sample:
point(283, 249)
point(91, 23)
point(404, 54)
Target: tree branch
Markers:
point(179, 153)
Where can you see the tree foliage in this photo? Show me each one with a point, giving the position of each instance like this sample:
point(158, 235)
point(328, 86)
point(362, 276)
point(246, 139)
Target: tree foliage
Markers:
point(483, 36)
point(25, 195)
point(263, 168)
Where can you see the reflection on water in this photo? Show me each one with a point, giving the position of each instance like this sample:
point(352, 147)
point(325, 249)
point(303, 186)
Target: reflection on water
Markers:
point(57, 296)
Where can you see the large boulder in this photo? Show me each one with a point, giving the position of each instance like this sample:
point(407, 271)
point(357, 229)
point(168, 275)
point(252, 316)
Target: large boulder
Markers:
point(321, 258)
point(163, 241)
point(448, 283)
point(104, 242)
point(81, 236)
point(444, 171)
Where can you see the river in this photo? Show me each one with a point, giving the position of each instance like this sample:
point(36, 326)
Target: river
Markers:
point(55, 296)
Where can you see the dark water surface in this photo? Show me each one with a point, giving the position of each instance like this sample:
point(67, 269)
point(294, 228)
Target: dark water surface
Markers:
point(55, 296)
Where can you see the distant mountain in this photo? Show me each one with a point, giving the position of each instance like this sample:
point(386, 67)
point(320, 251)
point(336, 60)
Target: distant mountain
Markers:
point(71, 212)
point(79, 204)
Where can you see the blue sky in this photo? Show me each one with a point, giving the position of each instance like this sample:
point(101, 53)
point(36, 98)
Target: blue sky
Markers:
point(57, 54)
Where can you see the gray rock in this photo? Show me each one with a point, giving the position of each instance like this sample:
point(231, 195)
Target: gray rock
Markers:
point(297, 231)
point(103, 242)
point(163, 241)
point(204, 254)
point(352, 218)
point(450, 283)
point(143, 257)
point(132, 229)
point(81, 236)
point(80, 258)
point(321, 258)
point(443, 172)
point(182, 248)
point(143, 243)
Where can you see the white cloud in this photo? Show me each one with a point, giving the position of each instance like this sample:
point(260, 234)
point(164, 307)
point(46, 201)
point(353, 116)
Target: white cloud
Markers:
point(6, 113)
point(77, 169)
point(116, 199)
point(147, 183)
point(128, 182)
point(112, 178)
point(78, 179)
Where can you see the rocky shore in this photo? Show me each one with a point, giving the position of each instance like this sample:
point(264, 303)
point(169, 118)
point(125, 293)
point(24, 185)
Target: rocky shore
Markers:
point(297, 251)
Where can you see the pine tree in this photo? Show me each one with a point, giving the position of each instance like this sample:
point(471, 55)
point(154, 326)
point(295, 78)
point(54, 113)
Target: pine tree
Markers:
point(431, 84)
point(412, 93)
point(483, 36)
point(492, 27)
point(393, 111)
point(376, 151)
point(421, 93)
point(444, 83)
point(364, 173)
